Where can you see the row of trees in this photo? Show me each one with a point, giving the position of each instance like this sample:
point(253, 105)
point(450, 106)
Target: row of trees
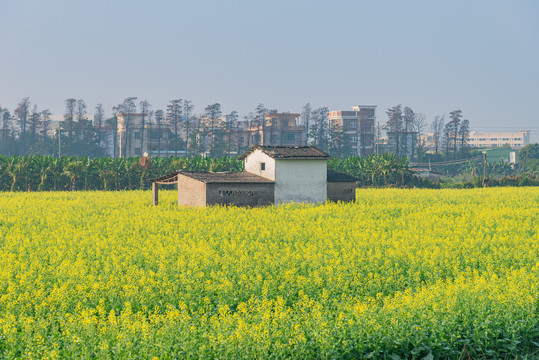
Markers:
point(406, 130)
point(24, 131)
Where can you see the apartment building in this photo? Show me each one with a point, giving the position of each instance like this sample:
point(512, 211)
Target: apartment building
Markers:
point(278, 129)
point(358, 125)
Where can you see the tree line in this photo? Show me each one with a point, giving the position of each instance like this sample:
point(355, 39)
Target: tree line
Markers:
point(27, 131)
point(407, 135)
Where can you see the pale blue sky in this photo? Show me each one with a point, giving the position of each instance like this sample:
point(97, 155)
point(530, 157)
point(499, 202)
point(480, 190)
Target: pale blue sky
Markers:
point(479, 56)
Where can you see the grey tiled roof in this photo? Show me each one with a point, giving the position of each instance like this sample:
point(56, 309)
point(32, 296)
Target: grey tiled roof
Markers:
point(334, 176)
point(289, 152)
point(217, 177)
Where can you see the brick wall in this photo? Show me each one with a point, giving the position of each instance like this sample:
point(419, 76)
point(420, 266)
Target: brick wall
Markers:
point(341, 191)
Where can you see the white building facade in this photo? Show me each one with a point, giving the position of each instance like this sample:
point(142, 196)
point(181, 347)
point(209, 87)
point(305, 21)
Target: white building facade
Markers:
point(300, 173)
point(515, 140)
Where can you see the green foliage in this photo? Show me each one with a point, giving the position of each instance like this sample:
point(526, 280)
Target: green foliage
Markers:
point(529, 158)
point(46, 173)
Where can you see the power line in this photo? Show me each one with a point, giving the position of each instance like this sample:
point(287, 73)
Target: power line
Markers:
point(447, 163)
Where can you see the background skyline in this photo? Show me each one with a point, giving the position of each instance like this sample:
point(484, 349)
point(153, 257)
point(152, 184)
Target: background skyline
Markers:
point(481, 57)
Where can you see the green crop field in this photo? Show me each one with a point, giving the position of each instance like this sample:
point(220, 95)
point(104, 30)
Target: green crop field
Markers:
point(399, 274)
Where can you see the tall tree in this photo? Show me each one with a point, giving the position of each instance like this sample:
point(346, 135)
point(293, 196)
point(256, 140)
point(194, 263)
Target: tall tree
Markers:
point(69, 115)
point(274, 120)
point(5, 125)
point(260, 120)
point(248, 120)
point(437, 128)
point(394, 127)
point(306, 120)
point(159, 119)
point(145, 107)
point(464, 134)
point(197, 134)
point(99, 118)
point(319, 128)
point(21, 113)
point(419, 127)
point(187, 113)
point(34, 124)
point(128, 108)
point(339, 142)
point(231, 127)
point(212, 114)
point(454, 125)
point(174, 118)
point(408, 117)
point(81, 110)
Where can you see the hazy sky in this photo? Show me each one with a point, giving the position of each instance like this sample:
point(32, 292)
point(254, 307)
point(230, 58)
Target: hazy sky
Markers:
point(434, 56)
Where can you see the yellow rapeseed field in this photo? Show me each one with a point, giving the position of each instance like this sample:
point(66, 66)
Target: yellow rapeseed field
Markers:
point(398, 274)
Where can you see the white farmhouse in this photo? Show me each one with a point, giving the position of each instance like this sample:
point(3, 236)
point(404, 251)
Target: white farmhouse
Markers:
point(299, 172)
point(272, 175)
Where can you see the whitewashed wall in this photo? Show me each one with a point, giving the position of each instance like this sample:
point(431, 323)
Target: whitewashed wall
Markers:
point(252, 165)
point(300, 181)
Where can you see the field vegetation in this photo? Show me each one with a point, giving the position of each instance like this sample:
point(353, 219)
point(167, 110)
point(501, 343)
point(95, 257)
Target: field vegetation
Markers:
point(401, 273)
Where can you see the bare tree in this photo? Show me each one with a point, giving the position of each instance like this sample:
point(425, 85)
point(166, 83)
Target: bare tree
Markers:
point(306, 120)
point(68, 123)
point(213, 113)
point(231, 126)
point(34, 123)
point(174, 117)
point(187, 112)
point(99, 117)
point(437, 128)
point(464, 134)
point(394, 127)
point(418, 126)
point(260, 121)
point(127, 109)
point(454, 125)
point(159, 118)
point(45, 116)
point(21, 113)
point(249, 119)
point(320, 128)
point(5, 125)
point(145, 107)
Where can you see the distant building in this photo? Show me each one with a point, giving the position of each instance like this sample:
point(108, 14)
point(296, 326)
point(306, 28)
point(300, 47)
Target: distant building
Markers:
point(135, 135)
point(515, 140)
point(358, 125)
point(51, 126)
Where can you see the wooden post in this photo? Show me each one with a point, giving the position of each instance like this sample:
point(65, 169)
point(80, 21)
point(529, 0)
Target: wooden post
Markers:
point(155, 193)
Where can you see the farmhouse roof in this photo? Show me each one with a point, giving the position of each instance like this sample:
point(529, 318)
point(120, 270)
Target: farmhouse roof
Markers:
point(289, 152)
point(334, 176)
point(228, 177)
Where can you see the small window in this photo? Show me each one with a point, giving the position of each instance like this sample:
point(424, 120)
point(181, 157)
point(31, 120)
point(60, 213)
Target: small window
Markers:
point(137, 150)
point(137, 135)
point(353, 124)
point(262, 166)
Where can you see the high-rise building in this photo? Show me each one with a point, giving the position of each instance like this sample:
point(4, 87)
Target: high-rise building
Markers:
point(358, 125)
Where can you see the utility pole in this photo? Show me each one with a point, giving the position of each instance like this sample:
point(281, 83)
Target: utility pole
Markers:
point(59, 142)
point(377, 137)
point(485, 169)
